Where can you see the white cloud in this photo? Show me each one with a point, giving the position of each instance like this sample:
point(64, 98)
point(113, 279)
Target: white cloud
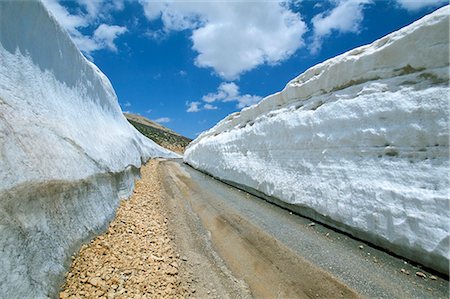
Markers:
point(176, 15)
point(414, 5)
point(345, 17)
point(127, 104)
point(210, 107)
point(105, 35)
point(182, 73)
point(233, 37)
point(91, 13)
point(196, 106)
point(226, 92)
point(162, 120)
point(193, 106)
point(229, 92)
point(68, 21)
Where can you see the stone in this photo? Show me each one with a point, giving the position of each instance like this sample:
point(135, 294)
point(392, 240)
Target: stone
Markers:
point(421, 274)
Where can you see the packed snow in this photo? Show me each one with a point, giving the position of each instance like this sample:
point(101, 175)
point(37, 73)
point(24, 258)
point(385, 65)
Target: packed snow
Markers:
point(68, 155)
point(359, 142)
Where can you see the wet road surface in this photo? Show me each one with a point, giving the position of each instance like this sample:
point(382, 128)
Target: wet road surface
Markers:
point(275, 253)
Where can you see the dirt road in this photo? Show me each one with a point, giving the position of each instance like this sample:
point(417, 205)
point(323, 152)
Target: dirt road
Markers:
point(281, 255)
point(184, 234)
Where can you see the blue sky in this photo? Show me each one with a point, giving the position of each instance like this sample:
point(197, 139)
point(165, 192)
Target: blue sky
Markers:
point(189, 64)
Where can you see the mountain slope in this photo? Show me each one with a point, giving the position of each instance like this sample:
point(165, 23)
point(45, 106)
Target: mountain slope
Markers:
point(158, 133)
point(359, 142)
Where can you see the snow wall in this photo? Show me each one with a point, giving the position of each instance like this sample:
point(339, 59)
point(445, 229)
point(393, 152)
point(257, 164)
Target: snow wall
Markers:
point(67, 154)
point(359, 142)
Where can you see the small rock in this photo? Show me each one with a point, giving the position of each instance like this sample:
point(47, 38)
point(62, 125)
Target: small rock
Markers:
point(184, 258)
point(361, 247)
point(99, 293)
point(312, 224)
point(96, 281)
point(327, 234)
point(421, 274)
point(404, 271)
point(429, 289)
point(432, 277)
point(172, 271)
point(63, 295)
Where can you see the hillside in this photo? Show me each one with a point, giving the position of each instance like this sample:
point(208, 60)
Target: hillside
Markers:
point(163, 136)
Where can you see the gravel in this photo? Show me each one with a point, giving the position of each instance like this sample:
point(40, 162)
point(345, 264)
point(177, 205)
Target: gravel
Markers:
point(136, 257)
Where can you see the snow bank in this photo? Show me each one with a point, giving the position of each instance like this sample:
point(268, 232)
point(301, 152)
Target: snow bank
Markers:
point(67, 154)
point(359, 141)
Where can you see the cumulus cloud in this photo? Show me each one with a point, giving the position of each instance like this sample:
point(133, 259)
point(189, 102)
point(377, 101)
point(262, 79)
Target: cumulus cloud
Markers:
point(210, 107)
point(91, 13)
point(68, 21)
point(233, 37)
point(345, 17)
point(225, 92)
point(414, 5)
point(193, 106)
point(105, 35)
point(162, 120)
point(197, 106)
point(229, 92)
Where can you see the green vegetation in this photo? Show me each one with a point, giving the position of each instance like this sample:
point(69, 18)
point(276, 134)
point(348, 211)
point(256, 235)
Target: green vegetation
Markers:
point(408, 69)
point(354, 82)
point(165, 139)
point(433, 78)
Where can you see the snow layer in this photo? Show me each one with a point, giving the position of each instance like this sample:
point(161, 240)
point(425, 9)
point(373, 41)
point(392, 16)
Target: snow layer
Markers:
point(359, 141)
point(67, 154)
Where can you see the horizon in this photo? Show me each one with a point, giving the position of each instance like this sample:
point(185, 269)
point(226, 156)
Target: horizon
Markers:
point(187, 65)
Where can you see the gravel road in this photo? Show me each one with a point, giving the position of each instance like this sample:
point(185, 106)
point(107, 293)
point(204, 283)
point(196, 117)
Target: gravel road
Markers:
point(136, 257)
point(184, 234)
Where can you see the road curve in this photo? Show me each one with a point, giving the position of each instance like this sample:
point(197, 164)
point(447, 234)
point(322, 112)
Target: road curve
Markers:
point(264, 251)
